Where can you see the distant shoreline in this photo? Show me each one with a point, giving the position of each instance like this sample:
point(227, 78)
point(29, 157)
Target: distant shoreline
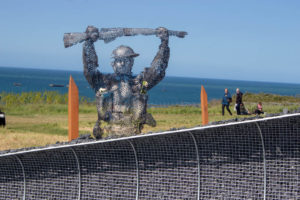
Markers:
point(170, 91)
point(190, 77)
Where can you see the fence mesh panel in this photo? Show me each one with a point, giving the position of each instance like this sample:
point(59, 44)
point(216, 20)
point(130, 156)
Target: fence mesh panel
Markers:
point(50, 174)
point(248, 160)
point(167, 167)
point(108, 171)
point(11, 178)
point(282, 144)
point(230, 162)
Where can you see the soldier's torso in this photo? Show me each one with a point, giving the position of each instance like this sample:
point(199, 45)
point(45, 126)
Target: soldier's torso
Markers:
point(123, 100)
point(122, 95)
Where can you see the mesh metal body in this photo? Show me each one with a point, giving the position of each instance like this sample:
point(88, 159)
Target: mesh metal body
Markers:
point(122, 98)
point(258, 159)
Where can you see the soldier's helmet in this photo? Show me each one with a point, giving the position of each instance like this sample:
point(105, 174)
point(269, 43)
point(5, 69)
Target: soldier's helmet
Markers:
point(124, 51)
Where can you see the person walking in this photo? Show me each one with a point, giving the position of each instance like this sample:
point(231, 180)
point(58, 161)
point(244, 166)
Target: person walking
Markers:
point(239, 100)
point(226, 101)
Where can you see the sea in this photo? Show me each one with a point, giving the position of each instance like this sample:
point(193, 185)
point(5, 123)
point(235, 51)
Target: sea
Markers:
point(170, 91)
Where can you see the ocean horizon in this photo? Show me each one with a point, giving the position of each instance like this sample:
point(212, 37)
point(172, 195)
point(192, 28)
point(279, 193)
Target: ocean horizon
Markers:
point(171, 90)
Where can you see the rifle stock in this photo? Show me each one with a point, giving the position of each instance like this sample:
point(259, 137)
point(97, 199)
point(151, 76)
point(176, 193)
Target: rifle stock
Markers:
point(71, 39)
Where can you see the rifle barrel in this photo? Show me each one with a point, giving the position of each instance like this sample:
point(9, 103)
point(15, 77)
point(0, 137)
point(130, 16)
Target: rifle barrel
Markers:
point(139, 31)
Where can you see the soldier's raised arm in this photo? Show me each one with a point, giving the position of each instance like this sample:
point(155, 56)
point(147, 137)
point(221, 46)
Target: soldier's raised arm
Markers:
point(90, 60)
point(154, 74)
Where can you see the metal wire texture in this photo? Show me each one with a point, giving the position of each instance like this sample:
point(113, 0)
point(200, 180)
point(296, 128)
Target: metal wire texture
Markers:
point(257, 159)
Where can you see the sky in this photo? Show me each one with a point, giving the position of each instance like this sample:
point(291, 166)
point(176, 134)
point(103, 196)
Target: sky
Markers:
point(232, 39)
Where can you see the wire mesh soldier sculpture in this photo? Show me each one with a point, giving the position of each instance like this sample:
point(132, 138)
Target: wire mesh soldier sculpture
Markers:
point(121, 97)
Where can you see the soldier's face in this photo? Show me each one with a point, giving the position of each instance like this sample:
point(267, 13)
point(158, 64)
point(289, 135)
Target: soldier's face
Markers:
point(123, 65)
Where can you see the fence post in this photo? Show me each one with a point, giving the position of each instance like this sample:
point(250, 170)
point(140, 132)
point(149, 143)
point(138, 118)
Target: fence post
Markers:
point(264, 159)
point(79, 173)
point(24, 177)
point(198, 163)
point(204, 106)
point(73, 110)
point(137, 170)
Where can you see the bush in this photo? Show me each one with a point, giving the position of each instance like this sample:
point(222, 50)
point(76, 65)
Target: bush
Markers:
point(47, 97)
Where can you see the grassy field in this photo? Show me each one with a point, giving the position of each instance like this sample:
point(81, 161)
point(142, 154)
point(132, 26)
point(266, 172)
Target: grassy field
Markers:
point(36, 119)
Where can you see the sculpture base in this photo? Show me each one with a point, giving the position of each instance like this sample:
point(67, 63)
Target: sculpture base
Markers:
point(121, 130)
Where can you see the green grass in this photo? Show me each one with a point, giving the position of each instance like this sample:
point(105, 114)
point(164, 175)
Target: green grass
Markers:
point(35, 119)
point(270, 98)
point(177, 109)
point(45, 128)
point(45, 109)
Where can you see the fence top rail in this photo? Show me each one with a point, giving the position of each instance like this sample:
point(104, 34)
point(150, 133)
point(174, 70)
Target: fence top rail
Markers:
point(149, 135)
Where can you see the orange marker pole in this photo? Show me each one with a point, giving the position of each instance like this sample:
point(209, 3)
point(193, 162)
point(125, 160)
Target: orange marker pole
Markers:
point(73, 110)
point(204, 106)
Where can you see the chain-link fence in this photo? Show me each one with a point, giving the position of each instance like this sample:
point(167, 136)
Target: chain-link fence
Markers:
point(258, 159)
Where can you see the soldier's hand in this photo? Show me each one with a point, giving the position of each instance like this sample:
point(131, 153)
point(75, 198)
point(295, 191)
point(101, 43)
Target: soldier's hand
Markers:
point(162, 33)
point(92, 33)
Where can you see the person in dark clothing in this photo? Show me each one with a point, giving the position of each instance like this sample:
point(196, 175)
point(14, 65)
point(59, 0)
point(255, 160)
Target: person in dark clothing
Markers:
point(244, 110)
point(259, 109)
point(239, 100)
point(2, 119)
point(226, 101)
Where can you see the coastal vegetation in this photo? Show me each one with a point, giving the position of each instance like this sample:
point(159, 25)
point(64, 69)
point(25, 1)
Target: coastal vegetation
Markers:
point(37, 119)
